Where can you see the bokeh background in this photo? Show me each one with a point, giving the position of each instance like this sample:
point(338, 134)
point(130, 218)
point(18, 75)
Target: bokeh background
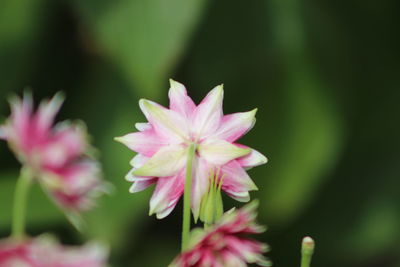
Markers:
point(324, 75)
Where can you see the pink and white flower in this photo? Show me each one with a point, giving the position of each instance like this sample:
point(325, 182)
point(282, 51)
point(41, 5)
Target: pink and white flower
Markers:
point(45, 251)
point(54, 154)
point(225, 243)
point(162, 146)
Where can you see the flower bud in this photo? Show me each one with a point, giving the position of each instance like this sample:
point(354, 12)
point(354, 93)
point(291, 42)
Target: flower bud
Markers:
point(211, 208)
point(307, 250)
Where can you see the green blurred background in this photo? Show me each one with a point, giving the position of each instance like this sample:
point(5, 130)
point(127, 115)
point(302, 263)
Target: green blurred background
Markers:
point(324, 75)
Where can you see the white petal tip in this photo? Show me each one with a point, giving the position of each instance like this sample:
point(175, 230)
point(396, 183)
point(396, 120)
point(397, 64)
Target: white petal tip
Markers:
point(143, 126)
point(143, 101)
point(242, 197)
point(161, 216)
point(119, 139)
point(129, 177)
point(173, 83)
point(138, 172)
point(217, 91)
point(132, 189)
point(59, 97)
point(262, 159)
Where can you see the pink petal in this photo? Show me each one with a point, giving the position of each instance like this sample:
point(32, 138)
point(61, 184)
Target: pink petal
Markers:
point(146, 143)
point(68, 142)
point(200, 184)
point(45, 251)
point(249, 250)
point(74, 187)
point(179, 101)
point(47, 112)
point(232, 259)
point(21, 113)
point(138, 186)
point(220, 152)
point(236, 182)
point(207, 116)
point(166, 123)
point(167, 161)
point(208, 259)
point(166, 195)
point(253, 159)
point(234, 126)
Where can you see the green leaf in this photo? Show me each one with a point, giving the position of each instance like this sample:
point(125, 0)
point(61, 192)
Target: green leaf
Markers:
point(144, 38)
point(311, 129)
point(310, 138)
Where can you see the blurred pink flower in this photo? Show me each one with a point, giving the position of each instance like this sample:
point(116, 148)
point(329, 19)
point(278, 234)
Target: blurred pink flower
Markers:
point(45, 251)
point(162, 147)
point(75, 186)
point(33, 138)
point(225, 243)
point(54, 154)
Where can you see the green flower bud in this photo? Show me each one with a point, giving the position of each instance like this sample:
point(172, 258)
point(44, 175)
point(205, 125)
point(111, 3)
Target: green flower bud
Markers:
point(211, 207)
point(307, 250)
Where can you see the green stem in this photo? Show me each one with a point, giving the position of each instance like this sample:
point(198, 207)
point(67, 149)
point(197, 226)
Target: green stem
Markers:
point(307, 250)
point(186, 197)
point(20, 199)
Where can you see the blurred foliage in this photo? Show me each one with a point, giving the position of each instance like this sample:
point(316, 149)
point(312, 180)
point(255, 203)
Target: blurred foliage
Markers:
point(324, 75)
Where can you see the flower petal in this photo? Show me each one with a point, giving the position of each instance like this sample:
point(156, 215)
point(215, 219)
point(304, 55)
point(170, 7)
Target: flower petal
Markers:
point(208, 114)
point(76, 186)
point(67, 143)
point(220, 152)
point(253, 159)
point(130, 177)
point(47, 251)
point(166, 162)
point(138, 161)
point(46, 113)
point(200, 184)
point(19, 130)
point(166, 195)
point(234, 126)
point(146, 143)
point(140, 185)
point(232, 259)
point(236, 181)
point(143, 126)
point(179, 101)
point(166, 123)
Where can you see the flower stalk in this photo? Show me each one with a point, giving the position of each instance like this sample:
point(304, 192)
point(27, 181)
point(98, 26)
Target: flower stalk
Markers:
point(307, 250)
point(20, 200)
point(186, 197)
